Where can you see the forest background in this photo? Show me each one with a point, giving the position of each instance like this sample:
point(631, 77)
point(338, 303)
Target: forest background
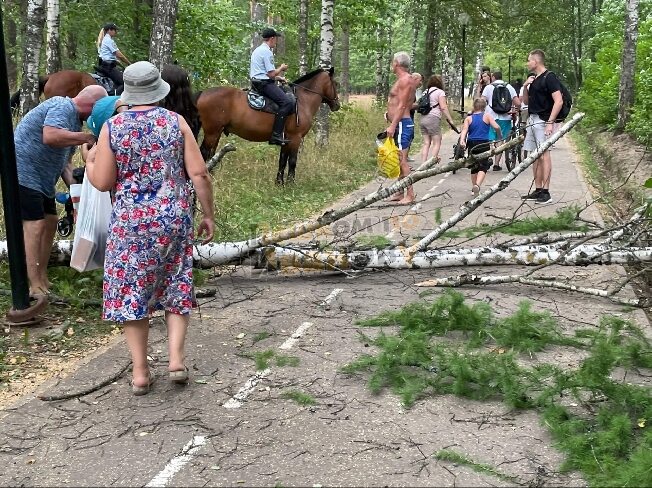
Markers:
point(586, 42)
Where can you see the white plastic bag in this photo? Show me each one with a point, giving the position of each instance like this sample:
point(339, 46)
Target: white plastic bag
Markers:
point(92, 228)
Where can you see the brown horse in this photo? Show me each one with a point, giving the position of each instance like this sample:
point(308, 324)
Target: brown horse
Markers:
point(66, 83)
point(225, 109)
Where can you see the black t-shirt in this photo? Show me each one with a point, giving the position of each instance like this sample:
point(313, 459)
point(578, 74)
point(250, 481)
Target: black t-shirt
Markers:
point(540, 92)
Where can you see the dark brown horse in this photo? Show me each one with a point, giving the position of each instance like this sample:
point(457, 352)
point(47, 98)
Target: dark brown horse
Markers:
point(225, 109)
point(66, 83)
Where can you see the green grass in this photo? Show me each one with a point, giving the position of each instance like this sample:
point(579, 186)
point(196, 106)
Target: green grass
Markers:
point(564, 220)
point(457, 458)
point(299, 397)
point(264, 358)
point(373, 241)
point(610, 441)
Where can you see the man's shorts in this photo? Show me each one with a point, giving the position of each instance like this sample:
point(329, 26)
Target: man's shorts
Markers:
point(404, 134)
point(505, 128)
point(34, 205)
point(477, 147)
point(536, 133)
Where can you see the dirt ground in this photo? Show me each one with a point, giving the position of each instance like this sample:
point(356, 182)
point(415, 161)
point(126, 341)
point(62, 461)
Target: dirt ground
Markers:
point(233, 425)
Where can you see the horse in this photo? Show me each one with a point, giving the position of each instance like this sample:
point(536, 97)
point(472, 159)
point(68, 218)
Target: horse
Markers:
point(226, 110)
point(66, 83)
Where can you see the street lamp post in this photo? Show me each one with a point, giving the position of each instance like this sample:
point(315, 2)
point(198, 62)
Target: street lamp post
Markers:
point(464, 20)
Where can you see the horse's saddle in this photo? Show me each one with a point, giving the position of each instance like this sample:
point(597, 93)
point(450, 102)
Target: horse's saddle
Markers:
point(105, 82)
point(262, 103)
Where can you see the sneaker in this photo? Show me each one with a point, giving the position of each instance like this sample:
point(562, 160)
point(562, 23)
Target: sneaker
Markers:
point(544, 197)
point(497, 168)
point(475, 190)
point(531, 196)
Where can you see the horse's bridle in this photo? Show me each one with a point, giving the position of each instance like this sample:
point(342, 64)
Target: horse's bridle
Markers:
point(332, 100)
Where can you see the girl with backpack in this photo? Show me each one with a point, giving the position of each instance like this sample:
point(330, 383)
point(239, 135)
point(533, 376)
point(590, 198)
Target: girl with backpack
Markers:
point(475, 137)
point(430, 124)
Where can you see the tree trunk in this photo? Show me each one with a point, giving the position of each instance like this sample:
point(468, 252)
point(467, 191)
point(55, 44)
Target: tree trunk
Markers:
point(381, 96)
point(627, 66)
point(29, 92)
point(303, 37)
point(258, 14)
point(415, 39)
point(580, 43)
point(345, 79)
point(430, 42)
point(11, 55)
point(71, 47)
point(161, 44)
point(53, 44)
point(327, 40)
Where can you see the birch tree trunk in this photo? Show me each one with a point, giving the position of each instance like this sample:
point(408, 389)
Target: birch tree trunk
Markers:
point(161, 44)
point(53, 44)
point(258, 15)
point(415, 38)
point(627, 66)
point(345, 79)
point(29, 92)
point(380, 66)
point(11, 56)
point(303, 37)
point(327, 41)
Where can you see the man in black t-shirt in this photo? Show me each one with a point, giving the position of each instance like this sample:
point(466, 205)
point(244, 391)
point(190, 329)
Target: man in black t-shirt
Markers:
point(542, 94)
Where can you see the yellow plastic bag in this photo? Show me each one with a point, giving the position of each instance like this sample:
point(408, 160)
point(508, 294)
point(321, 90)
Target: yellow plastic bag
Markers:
point(388, 159)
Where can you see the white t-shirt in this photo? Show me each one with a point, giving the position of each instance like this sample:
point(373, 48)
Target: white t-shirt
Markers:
point(520, 95)
point(488, 93)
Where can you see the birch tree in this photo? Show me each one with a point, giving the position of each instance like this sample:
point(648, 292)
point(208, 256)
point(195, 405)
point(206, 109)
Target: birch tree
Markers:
point(327, 41)
point(303, 37)
point(345, 83)
point(29, 92)
point(161, 43)
point(627, 66)
point(258, 14)
point(53, 44)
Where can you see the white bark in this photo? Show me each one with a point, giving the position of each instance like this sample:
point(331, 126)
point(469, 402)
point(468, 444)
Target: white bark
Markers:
point(53, 44)
point(161, 44)
point(327, 41)
point(471, 205)
point(464, 279)
point(33, 40)
point(280, 257)
point(303, 37)
point(258, 14)
point(627, 65)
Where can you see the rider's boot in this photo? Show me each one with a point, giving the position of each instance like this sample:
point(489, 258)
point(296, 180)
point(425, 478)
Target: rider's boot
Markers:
point(277, 131)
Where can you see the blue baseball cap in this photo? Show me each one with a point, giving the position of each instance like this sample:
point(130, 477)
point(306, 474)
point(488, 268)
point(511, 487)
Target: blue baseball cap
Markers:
point(103, 110)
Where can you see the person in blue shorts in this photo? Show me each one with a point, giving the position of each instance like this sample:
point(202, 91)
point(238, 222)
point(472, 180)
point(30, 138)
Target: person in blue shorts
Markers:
point(45, 143)
point(504, 118)
point(401, 127)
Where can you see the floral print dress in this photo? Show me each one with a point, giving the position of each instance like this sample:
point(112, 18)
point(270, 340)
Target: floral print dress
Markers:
point(148, 264)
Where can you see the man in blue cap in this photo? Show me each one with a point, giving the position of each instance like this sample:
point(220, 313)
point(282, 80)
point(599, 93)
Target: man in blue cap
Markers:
point(263, 76)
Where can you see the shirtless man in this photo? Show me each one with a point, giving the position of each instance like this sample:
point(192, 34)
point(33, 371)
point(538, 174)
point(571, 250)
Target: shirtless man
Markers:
point(401, 127)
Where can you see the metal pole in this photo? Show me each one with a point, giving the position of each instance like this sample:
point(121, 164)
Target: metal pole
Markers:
point(9, 185)
point(463, 49)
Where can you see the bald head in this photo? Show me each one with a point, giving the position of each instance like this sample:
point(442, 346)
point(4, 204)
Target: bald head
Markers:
point(86, 98)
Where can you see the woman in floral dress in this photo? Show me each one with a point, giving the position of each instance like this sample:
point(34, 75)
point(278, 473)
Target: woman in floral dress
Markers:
point(149, 156)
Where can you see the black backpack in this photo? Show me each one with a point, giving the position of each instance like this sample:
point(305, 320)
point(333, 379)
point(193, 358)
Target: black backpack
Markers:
point(501, 100)
point(566, 97)
point(423, 105)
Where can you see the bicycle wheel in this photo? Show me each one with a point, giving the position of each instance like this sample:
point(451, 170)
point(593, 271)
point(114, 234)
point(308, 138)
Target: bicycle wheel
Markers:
point(510, 158)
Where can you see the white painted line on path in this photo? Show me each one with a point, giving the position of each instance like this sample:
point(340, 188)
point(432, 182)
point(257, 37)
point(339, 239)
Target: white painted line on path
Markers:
point(236, 400)
point(178, 462)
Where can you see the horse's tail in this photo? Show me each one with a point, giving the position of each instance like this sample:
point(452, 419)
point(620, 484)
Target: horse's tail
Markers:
point(14, 101)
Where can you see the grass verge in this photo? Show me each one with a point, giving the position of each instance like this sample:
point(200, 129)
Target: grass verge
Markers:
point(457, 458)
point(608, 437)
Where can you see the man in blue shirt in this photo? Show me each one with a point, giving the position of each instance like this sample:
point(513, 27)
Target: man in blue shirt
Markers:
point(263, 76)
point(45, 142)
